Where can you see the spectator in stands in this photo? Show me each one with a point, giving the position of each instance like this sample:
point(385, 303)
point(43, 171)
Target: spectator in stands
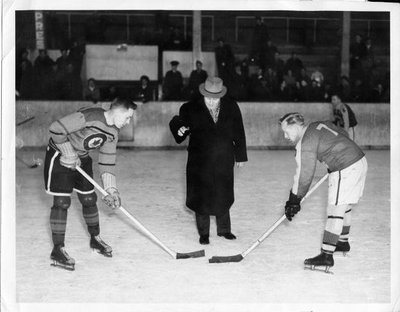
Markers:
point(369, 55)
point(55, 80)
point(42, 71)
point(278, 66)
point(291, 82)
point(357, 54)
point(358, 91)
point(272, 82)
point(239, 82)
point(144, 92)
point(378, 94)
point(318, 77)
point(270, 51)
point(258, 87)
point(63, 61)
point(24, 76)
point(197, 77)
point(295, 64)
point(303, 90)
point(316, 92)
point(225, 61)
point(258, 44)
point(70, 85)
point(344, 88)
point(91, 91)
point(173, 83)
point(110, 93)
point(76, 53)
point(343, 115)
point(304, 76)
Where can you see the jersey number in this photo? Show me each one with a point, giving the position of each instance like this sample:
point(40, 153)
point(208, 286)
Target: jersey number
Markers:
point(320, 126)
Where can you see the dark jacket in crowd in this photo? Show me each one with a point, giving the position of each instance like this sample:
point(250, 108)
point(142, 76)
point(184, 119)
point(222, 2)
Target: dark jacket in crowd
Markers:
point(212, 151)
point(172, 87)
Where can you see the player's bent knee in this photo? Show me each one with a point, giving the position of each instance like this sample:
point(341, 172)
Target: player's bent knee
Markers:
point(88, 200)
point(62, 202)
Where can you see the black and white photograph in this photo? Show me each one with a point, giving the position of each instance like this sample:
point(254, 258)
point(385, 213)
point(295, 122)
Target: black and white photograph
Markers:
point(213, 156)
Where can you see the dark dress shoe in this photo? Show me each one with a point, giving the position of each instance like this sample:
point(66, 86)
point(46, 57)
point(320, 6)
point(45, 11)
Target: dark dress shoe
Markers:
point(227, 235)
point(204, 240)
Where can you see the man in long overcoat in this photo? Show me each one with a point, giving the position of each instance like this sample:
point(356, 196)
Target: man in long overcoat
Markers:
point(216, 142)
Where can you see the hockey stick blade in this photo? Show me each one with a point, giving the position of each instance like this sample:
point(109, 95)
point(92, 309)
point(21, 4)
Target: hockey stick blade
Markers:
point(25, 121)
point(217, 259)
point(32, 166)
point(187, 255)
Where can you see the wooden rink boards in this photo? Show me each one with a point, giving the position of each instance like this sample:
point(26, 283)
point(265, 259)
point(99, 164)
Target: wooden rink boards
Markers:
point(152, 186)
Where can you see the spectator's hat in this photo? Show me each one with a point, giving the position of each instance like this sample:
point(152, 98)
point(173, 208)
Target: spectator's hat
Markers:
point(213, 87)
point(174, 63)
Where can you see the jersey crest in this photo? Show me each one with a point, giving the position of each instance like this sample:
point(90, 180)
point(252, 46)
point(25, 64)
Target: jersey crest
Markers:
point(94, 141)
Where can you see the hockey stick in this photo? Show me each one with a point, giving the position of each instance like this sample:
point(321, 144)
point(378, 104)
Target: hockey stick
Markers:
point(240, 257)
point(34, 165)
point(173, 254)
point(25, 121)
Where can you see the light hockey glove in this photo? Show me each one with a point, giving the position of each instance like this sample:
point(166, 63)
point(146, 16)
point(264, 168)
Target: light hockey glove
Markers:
point(113, 199)
point(69, 158)
point(292, 206)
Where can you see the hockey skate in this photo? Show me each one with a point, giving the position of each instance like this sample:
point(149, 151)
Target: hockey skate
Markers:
point(61, 258)
point(97, 244)
point(342, 247)
point(322, 260)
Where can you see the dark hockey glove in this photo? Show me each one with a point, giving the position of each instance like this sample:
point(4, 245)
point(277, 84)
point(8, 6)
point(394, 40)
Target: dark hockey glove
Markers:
point(292, 206)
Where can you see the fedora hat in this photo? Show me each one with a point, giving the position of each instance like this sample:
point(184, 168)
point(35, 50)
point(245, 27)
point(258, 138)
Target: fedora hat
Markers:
point(213, 87)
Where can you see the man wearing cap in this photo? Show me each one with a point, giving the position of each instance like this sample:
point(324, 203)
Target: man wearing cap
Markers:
point(216, 142)
point(197, 77)
point(173, 83)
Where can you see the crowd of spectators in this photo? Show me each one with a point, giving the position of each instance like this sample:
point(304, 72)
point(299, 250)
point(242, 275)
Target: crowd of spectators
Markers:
point(261, 76)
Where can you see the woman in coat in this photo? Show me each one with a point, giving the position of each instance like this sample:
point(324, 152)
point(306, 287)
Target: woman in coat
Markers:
point(216, 142)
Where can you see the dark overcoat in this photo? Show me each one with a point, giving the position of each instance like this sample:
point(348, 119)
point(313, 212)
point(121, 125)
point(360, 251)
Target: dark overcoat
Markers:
point(212, 151)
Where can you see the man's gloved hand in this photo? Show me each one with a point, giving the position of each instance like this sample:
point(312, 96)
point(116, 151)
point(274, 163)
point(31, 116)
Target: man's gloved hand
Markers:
point(69, 157)
point(70, 161)
point(113, 199)
point(292, 206)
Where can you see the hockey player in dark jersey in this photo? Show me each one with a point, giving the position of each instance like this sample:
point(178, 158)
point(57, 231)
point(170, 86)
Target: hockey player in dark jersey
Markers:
point(347, 166)
point(71, 139)
point(343, 115)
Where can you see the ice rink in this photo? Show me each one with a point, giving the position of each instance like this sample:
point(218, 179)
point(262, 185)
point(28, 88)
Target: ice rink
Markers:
point(152, 185)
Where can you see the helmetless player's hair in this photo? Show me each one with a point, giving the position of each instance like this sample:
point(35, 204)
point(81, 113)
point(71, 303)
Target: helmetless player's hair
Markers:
point(124, 102)
point(292, 118)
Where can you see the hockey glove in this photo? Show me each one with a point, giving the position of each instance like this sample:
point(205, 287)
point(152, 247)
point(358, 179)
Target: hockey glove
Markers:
point(113, 199)
point(292, 206)
point(69, 158)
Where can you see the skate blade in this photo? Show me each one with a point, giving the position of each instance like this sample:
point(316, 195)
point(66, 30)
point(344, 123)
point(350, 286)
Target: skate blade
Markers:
point(105, 254)
point(68, 267)
point(318, 268)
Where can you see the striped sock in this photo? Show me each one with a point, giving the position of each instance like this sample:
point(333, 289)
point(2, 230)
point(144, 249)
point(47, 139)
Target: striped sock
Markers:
point(91, 216)
point(58, 224)
point(333, 227)
point(344, 235)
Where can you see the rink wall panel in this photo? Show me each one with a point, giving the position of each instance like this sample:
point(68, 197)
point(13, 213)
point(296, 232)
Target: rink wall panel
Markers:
point(150, 127)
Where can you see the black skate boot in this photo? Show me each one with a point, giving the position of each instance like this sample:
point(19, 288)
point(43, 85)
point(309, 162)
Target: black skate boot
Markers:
point(342, 247)
point(61, 258)
point(100, 246)
point(322, 260)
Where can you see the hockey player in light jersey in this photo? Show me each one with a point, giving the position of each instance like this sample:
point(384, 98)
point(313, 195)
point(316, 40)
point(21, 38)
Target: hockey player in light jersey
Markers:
point(71, 139)
point(323, 141)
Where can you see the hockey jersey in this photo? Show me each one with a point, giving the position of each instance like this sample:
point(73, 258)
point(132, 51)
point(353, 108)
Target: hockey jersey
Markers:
point(328, 144)
point(87, 130)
